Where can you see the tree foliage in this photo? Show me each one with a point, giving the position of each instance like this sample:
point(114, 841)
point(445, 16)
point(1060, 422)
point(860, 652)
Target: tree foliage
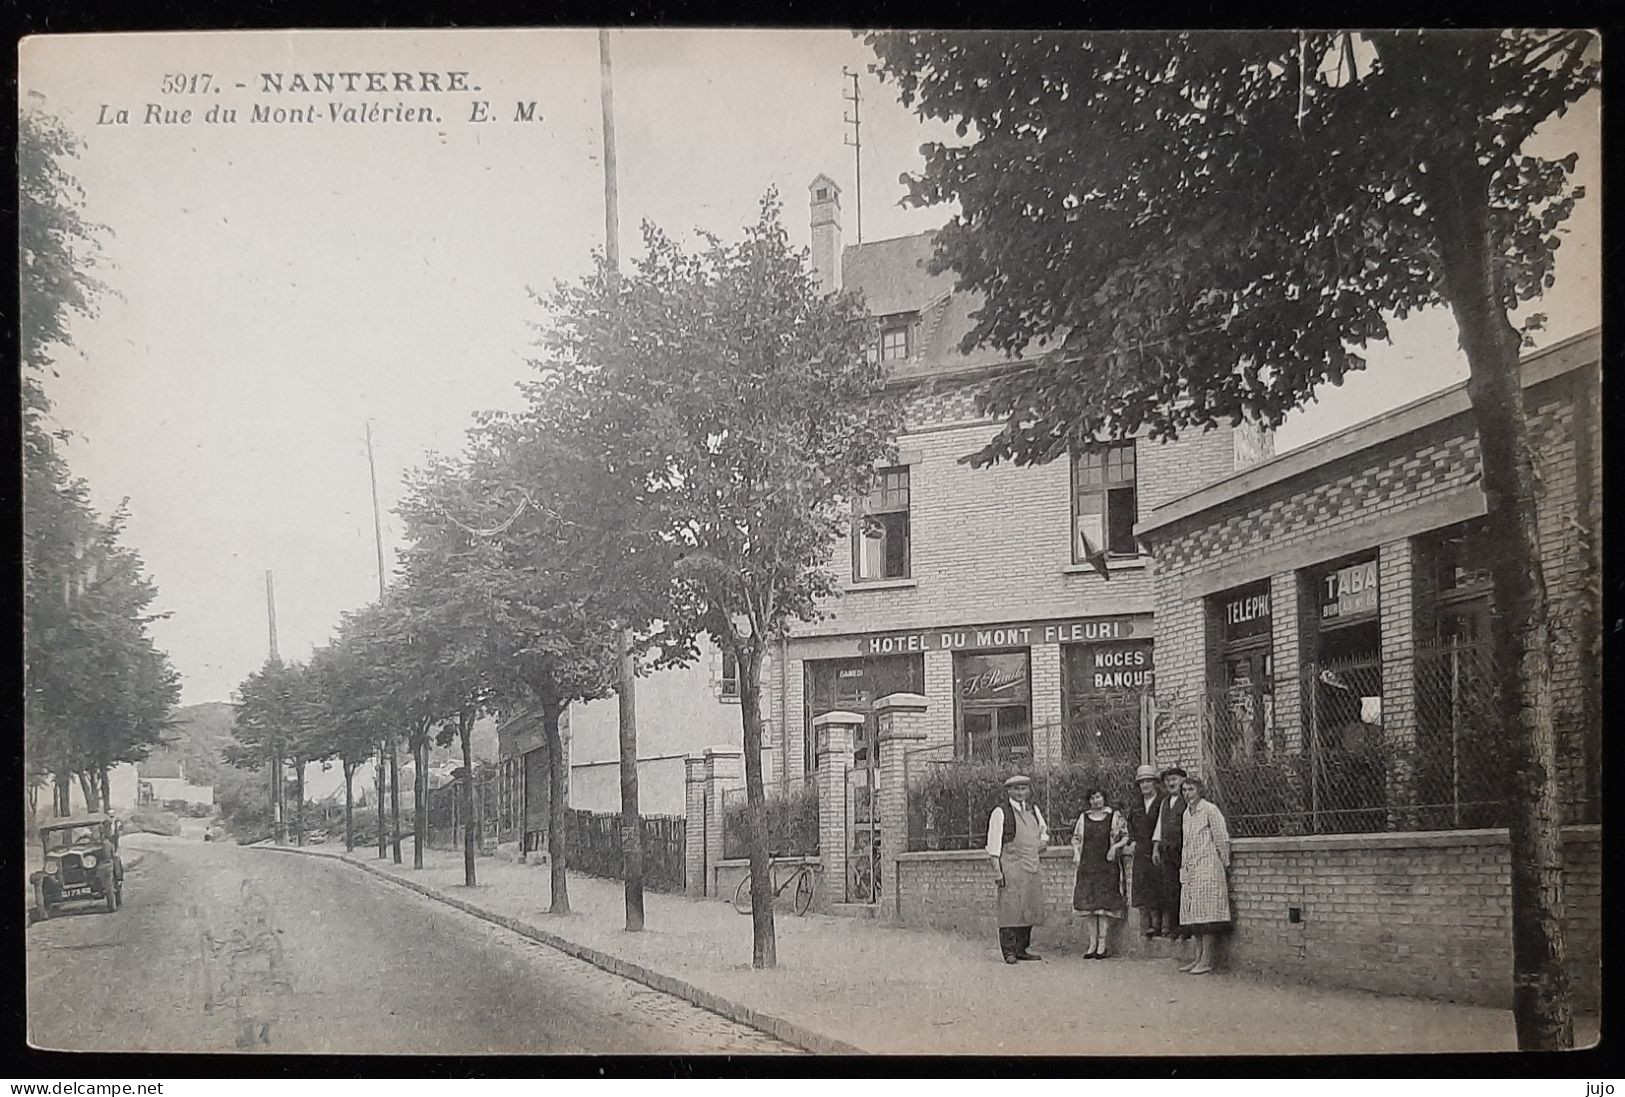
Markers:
point(1187, 227)
point(1179, 228)
point(731, 416)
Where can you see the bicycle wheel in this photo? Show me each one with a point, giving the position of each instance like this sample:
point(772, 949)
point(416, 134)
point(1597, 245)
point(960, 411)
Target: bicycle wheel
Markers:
point(742, 896)
point(804, 891)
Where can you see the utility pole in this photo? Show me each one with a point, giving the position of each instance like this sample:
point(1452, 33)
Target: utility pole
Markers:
point(856, 143)
point(386, 746)
point(626, 678)
point(278, 792)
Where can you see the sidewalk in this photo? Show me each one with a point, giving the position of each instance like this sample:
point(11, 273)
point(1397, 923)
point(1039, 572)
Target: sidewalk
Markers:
point(846, 984)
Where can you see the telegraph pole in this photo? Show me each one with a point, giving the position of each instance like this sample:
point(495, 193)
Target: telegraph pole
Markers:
point(278, 792)
point(856, 144)
point(626, 678)
point(386, 748)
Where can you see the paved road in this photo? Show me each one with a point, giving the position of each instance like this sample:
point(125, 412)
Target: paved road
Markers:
point(304, 955)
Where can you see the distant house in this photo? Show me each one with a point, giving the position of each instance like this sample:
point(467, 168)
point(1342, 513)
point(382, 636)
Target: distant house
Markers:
point(162, 782)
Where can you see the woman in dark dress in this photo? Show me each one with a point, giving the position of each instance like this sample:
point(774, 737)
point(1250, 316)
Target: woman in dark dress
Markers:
point(1097, 841)
point(1146, 882)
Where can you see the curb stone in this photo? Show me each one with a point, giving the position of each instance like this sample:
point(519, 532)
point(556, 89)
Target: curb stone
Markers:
point(777, 1027)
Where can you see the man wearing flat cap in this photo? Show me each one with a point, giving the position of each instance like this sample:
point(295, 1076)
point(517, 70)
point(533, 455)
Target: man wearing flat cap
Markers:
point(1016, 836)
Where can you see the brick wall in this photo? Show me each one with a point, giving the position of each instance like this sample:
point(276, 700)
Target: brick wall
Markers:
point(1416, 914)
point(1351, 491)
point(1422, 914)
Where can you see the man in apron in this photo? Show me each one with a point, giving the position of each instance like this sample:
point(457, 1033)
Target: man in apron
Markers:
point(1016, 835)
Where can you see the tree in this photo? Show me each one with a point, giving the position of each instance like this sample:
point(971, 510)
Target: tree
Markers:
point(343, 686)
point(519, 518)
point(733, 416)
point(386, 683)
point(271, 716)
point(1192, 227)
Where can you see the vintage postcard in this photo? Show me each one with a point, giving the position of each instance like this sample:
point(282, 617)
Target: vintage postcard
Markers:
point(757, 542)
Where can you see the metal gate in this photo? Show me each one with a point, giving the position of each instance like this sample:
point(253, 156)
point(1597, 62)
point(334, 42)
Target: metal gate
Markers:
point(863, 882)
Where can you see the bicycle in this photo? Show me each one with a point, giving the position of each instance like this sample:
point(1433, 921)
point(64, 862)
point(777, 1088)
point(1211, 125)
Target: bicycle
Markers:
point(801, 878)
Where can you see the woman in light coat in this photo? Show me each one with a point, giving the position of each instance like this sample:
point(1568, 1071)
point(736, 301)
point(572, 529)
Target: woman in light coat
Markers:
point(1204, 893)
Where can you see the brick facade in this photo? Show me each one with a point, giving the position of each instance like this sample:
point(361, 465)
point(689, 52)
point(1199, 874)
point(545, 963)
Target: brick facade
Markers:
point(1418, 914)
point(1380, 488)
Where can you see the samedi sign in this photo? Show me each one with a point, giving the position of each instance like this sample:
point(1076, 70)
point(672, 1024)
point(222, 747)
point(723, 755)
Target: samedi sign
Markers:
point(1023, 634)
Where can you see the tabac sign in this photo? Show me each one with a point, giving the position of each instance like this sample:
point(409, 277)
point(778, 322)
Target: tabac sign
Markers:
point(1349, 592)
point(1019, 635)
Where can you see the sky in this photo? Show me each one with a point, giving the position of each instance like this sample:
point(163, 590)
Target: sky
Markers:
point(278, 286)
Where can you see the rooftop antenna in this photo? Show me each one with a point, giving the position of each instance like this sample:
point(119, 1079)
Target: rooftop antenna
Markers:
point(855, 120)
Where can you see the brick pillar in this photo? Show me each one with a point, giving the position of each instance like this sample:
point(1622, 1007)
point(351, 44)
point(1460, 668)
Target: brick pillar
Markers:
point(1289, 604)
point(724, 769)
point(1396, 608)
point(694, 832)
point(902, 728)
point(1047, 710)
point(834, 733)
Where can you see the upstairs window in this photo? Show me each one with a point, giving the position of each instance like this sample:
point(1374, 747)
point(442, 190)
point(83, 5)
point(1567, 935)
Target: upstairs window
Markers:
point(895, 343)
point(728, 685)
point(1103, 502)
point(880, 534)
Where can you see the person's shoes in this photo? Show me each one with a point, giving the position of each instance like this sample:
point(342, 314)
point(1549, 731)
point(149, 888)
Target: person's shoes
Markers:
point(1102, 954)
point(1009, 959)
point(1200, 970)
point(1025, 955)
point(1187, 967)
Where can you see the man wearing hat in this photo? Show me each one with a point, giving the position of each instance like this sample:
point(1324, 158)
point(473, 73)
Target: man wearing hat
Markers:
point(1146, 885)
point(1016, 835)
point(1167, 847)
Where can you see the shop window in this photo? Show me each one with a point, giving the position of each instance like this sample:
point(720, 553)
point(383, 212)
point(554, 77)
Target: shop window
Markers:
point(1104, 507)
point(994, 707)
point(1241, 692)
point(880, 534)
point(1102, 688)
point(1460, 780)
point(1346, 699)
point(853, 685)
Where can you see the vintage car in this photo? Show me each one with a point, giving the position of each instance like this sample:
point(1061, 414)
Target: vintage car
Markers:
point(81, 864)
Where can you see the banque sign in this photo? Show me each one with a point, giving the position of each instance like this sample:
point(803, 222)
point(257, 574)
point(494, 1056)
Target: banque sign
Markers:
point(1018, 635)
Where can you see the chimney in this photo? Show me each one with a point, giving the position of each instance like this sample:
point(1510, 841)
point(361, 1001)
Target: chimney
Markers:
point(825, 197)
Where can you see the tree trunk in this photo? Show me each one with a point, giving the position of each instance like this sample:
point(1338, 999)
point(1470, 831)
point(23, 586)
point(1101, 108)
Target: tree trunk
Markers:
point(378, 785)
point(62, 794)
point(764, 945)
point(1521, 635)
point(279, 801)
point(395, 799)
point(420, 796)
point(465, 730)
point(299, 798)
point(558, 811)
point(349, 807)
point(107, 789)
point(631, 820)
point(87, 789)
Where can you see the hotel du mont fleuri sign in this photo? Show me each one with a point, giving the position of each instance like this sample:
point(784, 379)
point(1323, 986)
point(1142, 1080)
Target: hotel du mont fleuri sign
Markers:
point(1020, 634)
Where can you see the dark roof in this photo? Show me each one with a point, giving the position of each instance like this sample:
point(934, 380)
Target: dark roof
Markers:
point(893, 277)
point(93, 819)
